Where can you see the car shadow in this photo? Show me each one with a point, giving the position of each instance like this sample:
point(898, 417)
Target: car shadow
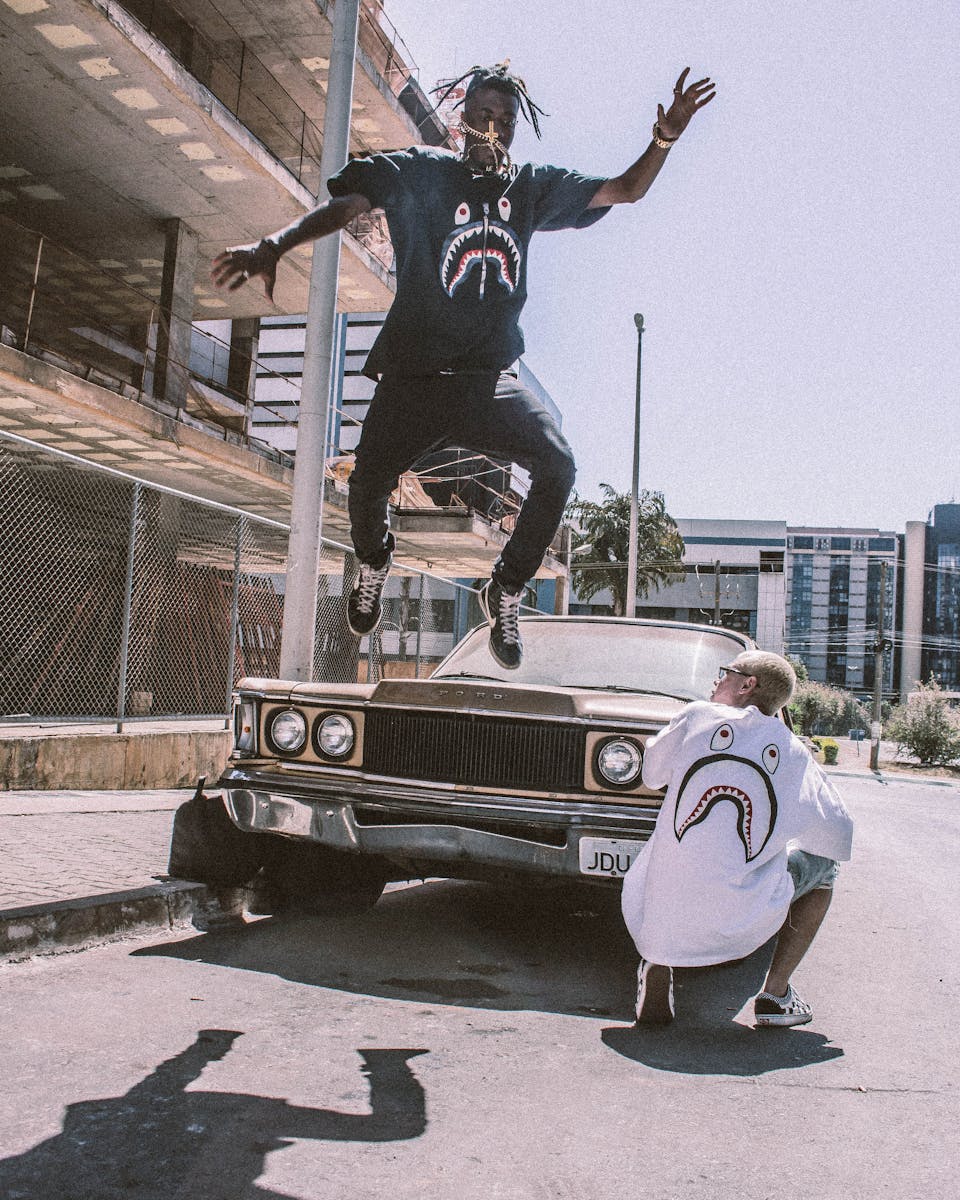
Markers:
point(556, 948)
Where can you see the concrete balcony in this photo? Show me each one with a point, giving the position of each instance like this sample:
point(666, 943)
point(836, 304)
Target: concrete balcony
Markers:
point(122, 117)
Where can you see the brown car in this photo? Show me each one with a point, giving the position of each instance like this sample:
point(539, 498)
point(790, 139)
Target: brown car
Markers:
point(476, 772)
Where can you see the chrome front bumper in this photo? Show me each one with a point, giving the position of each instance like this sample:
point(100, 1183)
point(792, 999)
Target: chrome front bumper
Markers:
point(433, 826)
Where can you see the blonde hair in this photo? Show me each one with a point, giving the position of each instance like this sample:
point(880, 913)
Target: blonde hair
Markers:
point(775, 678)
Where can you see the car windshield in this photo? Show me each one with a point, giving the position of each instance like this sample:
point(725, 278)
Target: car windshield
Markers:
point(671, 660)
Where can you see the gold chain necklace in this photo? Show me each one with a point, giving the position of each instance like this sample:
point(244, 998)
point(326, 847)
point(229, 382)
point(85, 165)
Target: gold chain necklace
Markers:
point(502, 161)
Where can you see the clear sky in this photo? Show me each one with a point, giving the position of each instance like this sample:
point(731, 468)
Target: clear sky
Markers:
point(796, 262)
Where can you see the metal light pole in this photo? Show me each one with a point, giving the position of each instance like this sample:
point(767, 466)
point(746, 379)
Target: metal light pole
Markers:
point(879, 645)
point(306, 510)
point(631, 605)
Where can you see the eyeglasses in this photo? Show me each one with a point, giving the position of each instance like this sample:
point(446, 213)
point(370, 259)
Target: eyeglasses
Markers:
point(733, 671)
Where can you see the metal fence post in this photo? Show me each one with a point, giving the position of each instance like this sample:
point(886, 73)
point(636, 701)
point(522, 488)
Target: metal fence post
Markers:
point(128, 606)
point(33, 293)
point(234, 623)
point(419, 624)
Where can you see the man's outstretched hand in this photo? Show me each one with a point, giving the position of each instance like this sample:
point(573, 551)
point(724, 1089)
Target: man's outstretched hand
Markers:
point(686, 101)
point(235, 266)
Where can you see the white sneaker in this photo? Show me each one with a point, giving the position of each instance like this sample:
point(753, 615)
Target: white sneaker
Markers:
point(654, 994)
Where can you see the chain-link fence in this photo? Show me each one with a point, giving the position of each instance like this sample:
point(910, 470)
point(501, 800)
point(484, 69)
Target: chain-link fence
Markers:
point(121, 599)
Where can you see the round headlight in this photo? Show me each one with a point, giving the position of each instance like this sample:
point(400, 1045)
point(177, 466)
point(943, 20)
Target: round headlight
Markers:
point(288, 731)
point(619, 762)
point(335, 735)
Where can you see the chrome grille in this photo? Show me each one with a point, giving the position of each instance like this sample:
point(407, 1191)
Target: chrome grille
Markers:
point(477, 750)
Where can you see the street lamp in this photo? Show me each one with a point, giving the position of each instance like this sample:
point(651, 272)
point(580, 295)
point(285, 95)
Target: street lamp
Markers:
point(631, 604)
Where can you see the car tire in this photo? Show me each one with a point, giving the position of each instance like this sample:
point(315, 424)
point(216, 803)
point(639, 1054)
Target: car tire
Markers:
point(206, 846)
point(307, 878)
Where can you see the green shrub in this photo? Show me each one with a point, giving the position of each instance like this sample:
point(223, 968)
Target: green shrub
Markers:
point(926, 726)
point(817, 708)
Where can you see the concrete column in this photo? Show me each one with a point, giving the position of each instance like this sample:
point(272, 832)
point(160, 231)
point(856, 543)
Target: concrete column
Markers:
point(911, 645)
point(771, 610)
point(176, 313)
point(242, 367)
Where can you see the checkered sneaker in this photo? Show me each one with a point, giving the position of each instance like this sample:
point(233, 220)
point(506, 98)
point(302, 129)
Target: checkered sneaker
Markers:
point(781, 1010)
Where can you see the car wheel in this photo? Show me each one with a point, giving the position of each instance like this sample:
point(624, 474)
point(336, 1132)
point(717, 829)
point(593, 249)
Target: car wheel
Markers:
point(303, 877)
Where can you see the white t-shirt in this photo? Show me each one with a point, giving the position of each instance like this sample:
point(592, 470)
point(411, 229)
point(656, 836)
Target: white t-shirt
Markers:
point(712, 883)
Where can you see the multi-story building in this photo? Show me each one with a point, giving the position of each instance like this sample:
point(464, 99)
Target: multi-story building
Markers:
point(835, 611)
point(813, 593)
point(139, 139)
point(732, 575)
point(931, 600)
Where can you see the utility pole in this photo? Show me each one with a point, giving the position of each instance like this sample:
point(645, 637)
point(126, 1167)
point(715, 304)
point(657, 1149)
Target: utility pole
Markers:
point(306, 509)
point(879, 646)
point(716, 592)
point(631, 603)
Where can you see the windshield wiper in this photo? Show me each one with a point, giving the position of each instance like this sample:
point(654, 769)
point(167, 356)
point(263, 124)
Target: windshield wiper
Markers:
point(637, 691)
point(470, 675)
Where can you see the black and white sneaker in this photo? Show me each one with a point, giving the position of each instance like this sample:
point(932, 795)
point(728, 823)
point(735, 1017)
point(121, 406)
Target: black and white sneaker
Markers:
point(654, 994)
point(502, 610)
point(364, 609)
point(781, 1010)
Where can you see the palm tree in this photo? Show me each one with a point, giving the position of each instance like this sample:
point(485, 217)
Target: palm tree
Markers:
point(602, 535)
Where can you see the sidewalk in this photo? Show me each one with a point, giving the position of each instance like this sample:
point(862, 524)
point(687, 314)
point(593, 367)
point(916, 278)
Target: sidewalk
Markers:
point(78, 867)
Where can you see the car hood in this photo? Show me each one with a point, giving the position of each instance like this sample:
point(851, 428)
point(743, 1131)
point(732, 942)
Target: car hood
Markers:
point(466, 695)
point(530, 699)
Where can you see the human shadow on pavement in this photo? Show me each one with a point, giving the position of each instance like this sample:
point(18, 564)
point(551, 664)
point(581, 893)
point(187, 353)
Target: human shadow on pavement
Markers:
point(159, 1139)
point(560, 949)
point(704, 1038)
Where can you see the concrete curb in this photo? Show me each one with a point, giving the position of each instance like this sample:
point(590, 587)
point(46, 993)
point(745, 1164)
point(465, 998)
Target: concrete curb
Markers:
point(91, 920)
point(894, 777)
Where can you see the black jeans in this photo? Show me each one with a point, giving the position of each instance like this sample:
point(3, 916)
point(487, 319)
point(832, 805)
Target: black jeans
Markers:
point(480, 411)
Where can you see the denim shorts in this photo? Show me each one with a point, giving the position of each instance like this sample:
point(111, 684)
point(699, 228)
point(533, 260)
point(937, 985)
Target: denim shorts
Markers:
point(810, 872)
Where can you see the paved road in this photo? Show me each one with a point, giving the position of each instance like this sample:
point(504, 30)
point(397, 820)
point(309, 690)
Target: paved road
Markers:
point(474, 1043)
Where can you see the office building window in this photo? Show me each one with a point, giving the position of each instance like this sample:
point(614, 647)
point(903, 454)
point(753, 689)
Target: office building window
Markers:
point(838, 617)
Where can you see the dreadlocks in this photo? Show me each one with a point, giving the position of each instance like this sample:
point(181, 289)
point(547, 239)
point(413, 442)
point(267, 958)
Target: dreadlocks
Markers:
point(498, 77)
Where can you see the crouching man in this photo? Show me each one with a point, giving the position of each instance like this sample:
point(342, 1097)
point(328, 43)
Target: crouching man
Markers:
point(746, 843)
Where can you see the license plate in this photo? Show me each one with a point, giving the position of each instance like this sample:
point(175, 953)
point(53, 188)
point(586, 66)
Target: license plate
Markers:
point(607, 856)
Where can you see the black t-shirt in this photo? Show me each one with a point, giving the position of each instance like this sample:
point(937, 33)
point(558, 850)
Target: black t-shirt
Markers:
point(460, 242)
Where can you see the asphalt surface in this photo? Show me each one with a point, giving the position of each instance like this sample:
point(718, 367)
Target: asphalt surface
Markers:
point(473, 1041)
point(82, 867)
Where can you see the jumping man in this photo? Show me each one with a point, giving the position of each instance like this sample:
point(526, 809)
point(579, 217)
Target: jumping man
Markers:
point(460, 226)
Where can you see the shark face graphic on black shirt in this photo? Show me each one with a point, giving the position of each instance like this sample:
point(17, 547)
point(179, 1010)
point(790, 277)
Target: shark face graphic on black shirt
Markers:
point(486, 248)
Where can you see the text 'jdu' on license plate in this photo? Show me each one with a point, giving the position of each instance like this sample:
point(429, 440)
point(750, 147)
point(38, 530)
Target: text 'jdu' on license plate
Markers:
point(607, 856)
